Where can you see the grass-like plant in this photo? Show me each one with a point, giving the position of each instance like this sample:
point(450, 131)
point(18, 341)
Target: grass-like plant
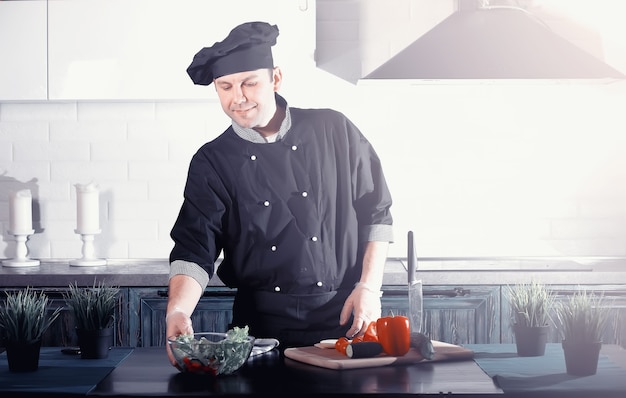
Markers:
point(25, 316)
point(93, 307)
point(530, 303)
point(583, 317)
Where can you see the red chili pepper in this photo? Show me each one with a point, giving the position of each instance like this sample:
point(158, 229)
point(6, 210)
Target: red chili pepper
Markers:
point(394, 334)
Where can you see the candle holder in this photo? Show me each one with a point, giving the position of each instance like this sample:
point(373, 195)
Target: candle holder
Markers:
point(21, 259)
point(88, 259)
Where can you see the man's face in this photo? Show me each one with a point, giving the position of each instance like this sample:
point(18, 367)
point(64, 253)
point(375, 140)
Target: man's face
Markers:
point(248, 97)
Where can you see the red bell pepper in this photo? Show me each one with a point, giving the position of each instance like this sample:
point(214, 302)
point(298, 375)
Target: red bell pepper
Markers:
point(394, 334)
point(370, 333)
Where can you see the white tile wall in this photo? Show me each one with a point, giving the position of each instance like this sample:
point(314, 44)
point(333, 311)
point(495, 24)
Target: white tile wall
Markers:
point(475, 169)
point(136, 152)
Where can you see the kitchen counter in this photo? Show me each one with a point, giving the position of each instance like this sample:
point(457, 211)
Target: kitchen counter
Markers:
point(432, 271)
point(495, 371)
point(148, 373)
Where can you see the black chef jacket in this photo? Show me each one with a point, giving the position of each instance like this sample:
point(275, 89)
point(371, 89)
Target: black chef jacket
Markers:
point(291, 218)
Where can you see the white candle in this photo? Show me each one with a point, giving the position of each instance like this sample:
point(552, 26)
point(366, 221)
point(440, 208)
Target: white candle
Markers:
point(88, 208)
point(21, 212)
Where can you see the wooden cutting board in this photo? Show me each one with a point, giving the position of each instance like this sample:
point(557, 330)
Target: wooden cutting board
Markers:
point(331, 359)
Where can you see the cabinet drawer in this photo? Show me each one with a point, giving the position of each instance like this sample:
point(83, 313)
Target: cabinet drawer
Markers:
point(148, 308)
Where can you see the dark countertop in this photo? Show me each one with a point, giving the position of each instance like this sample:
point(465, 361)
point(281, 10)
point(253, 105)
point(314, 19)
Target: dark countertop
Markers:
point(59, 273)
point(432, 271)
point(147, 372)
point(122, 272)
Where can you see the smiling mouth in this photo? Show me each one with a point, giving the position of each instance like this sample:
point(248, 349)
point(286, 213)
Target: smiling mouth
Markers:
point(241, 111)
point(243, 108)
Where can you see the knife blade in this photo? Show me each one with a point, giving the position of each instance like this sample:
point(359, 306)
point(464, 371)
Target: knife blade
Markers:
point(419, 340)
point(415, 288)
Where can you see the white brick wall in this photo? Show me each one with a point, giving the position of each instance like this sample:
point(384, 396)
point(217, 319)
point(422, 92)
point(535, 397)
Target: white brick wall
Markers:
point(476, 169)
point(137, 153)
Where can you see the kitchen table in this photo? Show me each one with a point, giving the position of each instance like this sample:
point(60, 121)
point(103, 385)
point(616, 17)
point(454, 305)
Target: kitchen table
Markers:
point(495, 371)
point(147, 372)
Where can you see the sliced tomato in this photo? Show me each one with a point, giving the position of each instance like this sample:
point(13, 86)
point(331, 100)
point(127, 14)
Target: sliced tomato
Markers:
point(341, 344)
point(358, 339)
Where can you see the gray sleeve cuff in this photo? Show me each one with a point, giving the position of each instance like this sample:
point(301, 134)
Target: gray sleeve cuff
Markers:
point(193, 270)
point(378, 233)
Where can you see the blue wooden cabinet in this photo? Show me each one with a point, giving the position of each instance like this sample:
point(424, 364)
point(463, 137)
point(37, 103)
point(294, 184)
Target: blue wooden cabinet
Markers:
point(147, 309)
point(452, 314)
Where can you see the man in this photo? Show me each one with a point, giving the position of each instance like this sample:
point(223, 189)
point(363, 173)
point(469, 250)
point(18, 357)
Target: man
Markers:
point(295, 199)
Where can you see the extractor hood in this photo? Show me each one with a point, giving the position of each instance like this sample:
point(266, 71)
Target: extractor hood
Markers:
point(493, 43)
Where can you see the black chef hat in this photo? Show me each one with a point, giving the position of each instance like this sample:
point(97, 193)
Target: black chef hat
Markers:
point(247, 47)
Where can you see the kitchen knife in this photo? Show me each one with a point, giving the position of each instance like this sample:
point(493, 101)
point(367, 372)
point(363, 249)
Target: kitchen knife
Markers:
point(415, 289)
point(419, 340)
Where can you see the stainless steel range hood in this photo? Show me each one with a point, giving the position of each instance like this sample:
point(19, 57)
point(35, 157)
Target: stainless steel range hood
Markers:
point(493, 43)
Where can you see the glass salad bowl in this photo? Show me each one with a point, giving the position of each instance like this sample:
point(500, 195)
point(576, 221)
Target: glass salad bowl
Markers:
point(212, 353)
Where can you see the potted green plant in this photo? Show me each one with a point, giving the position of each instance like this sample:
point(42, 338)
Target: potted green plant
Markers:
point(93, 309)
point(24, 319)
point(530, 305)
point(582, 321)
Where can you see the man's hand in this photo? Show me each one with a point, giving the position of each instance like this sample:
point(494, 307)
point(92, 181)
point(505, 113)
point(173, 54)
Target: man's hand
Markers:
point(183, 295)
point(364, 304)
point(177, 323)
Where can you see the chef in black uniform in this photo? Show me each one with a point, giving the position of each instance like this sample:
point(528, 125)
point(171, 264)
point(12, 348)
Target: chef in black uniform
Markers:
point(295, 200)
